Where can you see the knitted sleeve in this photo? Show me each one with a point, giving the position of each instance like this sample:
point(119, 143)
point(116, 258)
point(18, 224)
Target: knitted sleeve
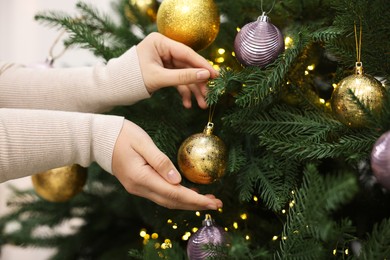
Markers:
point(36, 136)
point(32, 141)
point(85, 89)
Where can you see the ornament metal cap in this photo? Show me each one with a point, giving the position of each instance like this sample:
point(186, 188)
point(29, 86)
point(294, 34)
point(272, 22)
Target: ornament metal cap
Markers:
point(208, 130)
point(208, 221)
point(263, 18)
point(359, 68)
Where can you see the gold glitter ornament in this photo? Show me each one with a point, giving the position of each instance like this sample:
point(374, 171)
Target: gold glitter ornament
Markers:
point(192, 22)
point(356, 93)
point(366, 89)
point(202, 157)
point(60, 184)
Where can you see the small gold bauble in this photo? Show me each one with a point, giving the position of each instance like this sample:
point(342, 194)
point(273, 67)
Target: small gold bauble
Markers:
point(202, 157)
point(148, 7)
point(192, 22)
point(60, 184)
point(367, 90)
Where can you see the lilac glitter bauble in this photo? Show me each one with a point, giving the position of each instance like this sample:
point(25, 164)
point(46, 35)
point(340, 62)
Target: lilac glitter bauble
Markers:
point(380, 160)
point(201, 245)
point(258, 43)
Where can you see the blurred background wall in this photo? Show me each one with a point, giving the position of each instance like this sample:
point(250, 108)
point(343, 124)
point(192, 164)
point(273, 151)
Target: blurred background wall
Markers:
point(23, 40)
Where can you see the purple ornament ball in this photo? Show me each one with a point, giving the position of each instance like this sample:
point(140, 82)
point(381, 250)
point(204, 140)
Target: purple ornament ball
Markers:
point(205, 242)
point(258, 43)
point(380, 160)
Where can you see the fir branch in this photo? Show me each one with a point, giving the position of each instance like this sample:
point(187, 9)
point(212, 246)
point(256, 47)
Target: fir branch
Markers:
point(246, 180)
point(256, 86)
point(378, 244)
point(95, 18)
point(367, 113)
point(326, 34)
point(308, 125)
point(91, 30)
point(261, 85)
point(384, 116)
point(373, 47)
point(310, 221)
point(80, 34)
point(303, 135)
point(274, 179)
point(236, 158)
point(240, 249)
point(351, 147)
point(149, 252)
point(229, 81)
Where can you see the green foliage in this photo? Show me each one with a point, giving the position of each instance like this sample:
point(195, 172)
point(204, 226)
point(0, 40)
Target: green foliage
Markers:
point(370, 14)
point(303, 135)
point(101, 212)
point(236, 158)
point(271, 142)
point(310, 232)
point(260, 87)
point(92, 30)
point(149, 252)
point(273, 178)
point(378, 244)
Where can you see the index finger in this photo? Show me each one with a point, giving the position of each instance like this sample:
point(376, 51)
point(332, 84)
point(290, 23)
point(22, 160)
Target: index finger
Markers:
point(181, 53)
point(177, 196)
point(180, 197)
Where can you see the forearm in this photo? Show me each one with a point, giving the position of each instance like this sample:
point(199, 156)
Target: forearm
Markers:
point(32, 141)
point(87, 89)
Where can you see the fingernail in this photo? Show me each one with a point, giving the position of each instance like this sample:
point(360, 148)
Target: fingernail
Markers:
point(212, 206)
point(174, 177)
point(203, 74)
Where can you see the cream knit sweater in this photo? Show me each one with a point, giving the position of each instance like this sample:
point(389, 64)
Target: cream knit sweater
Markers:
point(47, 116)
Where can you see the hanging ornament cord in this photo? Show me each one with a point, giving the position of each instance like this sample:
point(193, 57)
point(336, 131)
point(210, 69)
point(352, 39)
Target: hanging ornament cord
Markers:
point(262, 10)
point(358, 42)
point(51, 57)
point(211, 115)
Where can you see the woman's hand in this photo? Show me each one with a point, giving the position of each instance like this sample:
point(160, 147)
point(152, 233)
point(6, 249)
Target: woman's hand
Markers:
point(165, 62)
point(147, 172)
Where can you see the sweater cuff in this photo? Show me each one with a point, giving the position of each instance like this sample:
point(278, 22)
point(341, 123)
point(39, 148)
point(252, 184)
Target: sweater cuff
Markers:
point(126, 81)
point(106, 130)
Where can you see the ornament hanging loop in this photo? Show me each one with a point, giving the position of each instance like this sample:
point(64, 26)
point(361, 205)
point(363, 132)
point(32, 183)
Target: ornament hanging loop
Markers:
point(210, 125)
point(51, 57)
point(358, 42)
point(211, 113)
point(262, 10)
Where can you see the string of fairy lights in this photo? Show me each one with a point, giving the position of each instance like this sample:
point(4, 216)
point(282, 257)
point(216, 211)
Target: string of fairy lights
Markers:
point(167, 244)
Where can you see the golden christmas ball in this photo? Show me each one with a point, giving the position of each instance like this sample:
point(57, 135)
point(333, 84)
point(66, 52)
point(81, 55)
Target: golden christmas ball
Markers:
point(202, 157)
point(192, 22)
point(366, 89)
point(60, 184)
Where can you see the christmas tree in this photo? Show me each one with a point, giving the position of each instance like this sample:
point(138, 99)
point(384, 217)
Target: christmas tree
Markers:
point(306, 169)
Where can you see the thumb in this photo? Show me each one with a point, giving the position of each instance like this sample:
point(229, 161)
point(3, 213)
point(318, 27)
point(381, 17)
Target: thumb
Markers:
point(159, 161)
point(173, 77)
point(153, 156)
